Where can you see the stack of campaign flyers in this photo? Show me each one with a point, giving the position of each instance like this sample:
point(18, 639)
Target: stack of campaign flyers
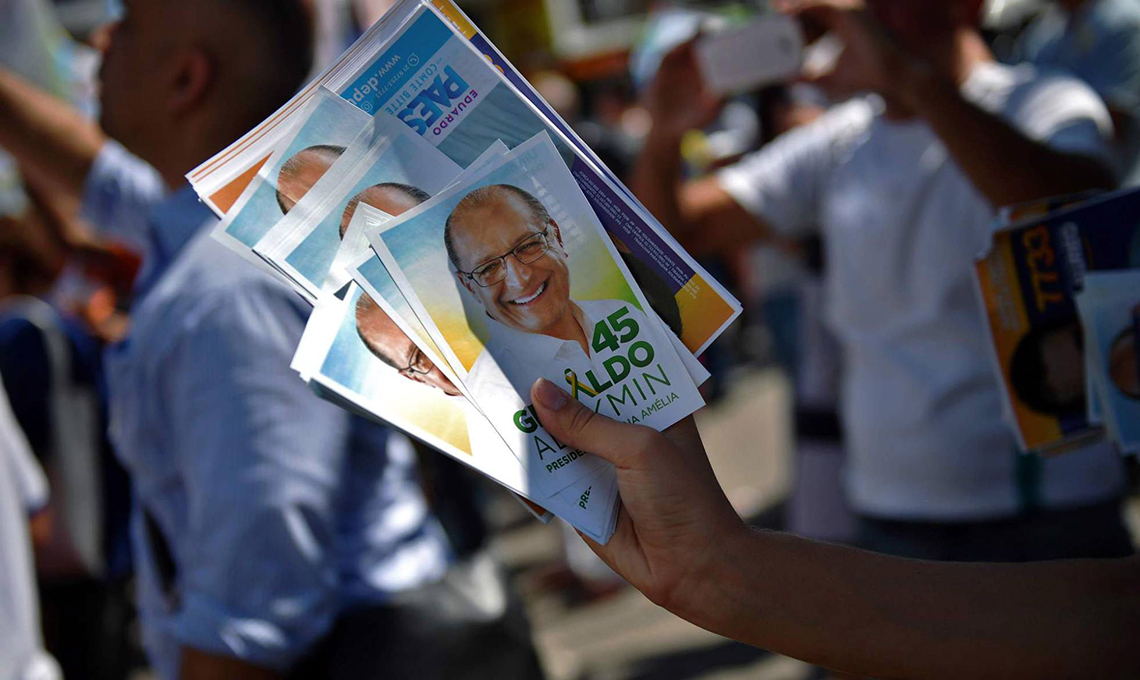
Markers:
point(458, 242)
point(1060, 291)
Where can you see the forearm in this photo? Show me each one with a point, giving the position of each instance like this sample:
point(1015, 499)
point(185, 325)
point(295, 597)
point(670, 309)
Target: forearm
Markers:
point(199, 665)
point(892, 618)
point(50, 140)
point(702, 216)
point(1006, 166)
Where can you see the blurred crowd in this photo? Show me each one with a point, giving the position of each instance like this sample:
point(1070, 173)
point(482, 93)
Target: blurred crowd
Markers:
point(173, 498)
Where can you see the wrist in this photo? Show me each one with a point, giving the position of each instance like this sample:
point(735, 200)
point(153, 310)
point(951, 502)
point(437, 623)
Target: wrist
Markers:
point(722, 582)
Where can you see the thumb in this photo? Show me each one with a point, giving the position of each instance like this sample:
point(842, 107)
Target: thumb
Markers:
point(574, 424)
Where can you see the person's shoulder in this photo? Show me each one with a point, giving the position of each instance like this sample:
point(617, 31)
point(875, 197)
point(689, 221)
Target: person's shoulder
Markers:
point(820, 143)
point(1025, 92)
point(842, 123)
point(214, 267)
point(212, 274)
point(851, 116)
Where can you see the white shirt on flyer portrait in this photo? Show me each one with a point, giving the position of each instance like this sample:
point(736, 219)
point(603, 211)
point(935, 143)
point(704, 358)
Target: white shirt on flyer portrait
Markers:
point(901, 225)
point(518, 359)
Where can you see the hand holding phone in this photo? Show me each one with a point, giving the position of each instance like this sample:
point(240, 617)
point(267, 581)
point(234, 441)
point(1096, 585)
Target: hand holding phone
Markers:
point(768, 50)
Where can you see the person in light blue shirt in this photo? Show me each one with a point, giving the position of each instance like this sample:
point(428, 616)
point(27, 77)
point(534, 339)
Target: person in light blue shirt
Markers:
point(277, 511)
point(265, 517)
point(1098, 41)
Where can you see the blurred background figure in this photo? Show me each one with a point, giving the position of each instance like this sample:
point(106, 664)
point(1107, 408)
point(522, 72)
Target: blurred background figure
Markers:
point(52, 368)
point(1097, 41)
point(932, 470)
point(23, 493)
point(58, 291)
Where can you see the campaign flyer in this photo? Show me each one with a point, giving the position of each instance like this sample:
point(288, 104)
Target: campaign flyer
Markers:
point(349, 364)
point(1110, 312)
point(326, 127)
point(391, 173)
point(557, 302)
point(389, 328)
point(1027, 284)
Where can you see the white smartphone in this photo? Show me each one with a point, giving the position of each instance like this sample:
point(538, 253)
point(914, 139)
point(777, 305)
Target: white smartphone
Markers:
point(768, 50)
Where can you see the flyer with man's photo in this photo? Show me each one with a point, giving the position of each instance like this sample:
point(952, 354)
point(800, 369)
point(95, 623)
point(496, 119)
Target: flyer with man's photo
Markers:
point(369, 363)
point(389, 336)
point(390, 172)
point(514, 279)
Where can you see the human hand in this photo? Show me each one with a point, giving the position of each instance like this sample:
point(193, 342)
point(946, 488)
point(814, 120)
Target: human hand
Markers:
point(871, 60)
point(675, 526)
point(677, 99)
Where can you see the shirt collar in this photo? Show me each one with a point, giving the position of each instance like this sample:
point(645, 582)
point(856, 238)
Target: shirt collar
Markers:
point(176, 219)
point(535, 346)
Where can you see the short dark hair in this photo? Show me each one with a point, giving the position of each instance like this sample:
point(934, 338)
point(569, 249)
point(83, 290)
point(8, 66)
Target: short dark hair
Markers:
point(365, 306)
point(1029, 374)
point(415, 193)
point(293, 166)
point(286, 29)
point(484, 195)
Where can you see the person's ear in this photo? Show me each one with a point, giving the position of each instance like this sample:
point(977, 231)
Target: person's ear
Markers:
point(466, 283)
point(191, 81)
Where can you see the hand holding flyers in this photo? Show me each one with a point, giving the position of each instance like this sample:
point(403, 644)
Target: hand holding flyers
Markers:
point(513, 288)
point(496, 234)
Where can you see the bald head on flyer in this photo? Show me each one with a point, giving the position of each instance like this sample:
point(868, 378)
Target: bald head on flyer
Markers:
point(390, 344)
point(508, 253)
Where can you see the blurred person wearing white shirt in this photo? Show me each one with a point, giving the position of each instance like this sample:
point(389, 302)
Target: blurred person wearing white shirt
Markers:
point(23, 491)
point(902, 185)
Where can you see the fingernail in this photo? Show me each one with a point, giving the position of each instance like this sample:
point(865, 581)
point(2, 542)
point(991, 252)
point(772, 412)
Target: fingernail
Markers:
point(549, 395)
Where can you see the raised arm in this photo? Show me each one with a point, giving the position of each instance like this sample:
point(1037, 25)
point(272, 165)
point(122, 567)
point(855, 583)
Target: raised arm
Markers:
point(679, 542)
point(52, 142)
point(700, 214)
point(1004, 164)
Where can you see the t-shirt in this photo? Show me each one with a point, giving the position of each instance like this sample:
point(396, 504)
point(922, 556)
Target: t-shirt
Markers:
point(902, 226)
